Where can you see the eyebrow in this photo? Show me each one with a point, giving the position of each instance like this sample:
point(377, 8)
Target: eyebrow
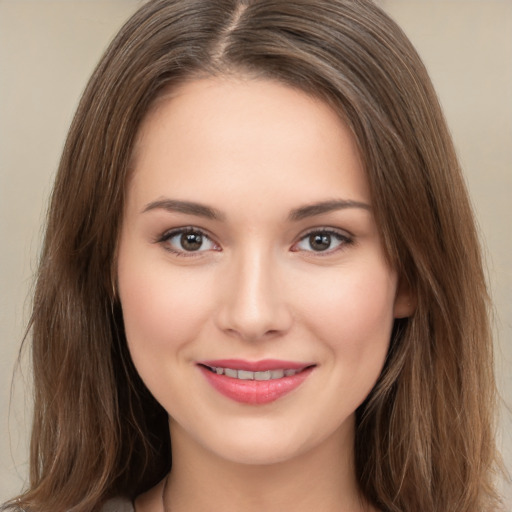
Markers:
point(311, 210)
point(297, 214)
point(187, 207)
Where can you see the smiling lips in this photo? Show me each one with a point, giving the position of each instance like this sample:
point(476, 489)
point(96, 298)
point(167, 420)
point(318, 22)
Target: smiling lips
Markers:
point(255, 383)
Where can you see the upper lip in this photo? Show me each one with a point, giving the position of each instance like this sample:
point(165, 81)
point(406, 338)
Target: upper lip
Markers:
point(256, 366)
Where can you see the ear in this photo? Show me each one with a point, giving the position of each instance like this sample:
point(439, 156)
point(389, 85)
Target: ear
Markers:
point(405, 300)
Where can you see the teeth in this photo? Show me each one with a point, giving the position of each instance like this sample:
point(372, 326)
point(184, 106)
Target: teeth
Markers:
point(276, 374)
point(244, 375)
point(262, 375)
point(247, 375)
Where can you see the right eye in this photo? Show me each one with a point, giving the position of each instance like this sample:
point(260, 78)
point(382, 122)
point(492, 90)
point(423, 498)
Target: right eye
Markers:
point(187, 241)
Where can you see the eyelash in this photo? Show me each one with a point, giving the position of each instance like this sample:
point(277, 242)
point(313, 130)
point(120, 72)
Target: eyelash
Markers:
point(169, 235)
point(164, 239)
point(343, 238)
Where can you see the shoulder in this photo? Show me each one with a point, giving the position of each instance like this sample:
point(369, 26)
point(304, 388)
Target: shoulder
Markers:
point(118, 505)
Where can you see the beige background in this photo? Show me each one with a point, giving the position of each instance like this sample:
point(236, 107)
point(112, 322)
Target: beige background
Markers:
point(49, 47)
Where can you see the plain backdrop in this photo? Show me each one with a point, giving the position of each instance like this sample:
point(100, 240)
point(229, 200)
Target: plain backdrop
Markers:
point(48, 48)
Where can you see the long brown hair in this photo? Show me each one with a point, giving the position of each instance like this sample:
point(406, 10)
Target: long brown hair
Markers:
point(425, 435)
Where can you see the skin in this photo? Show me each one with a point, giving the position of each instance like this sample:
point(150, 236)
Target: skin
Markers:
point(255, 151)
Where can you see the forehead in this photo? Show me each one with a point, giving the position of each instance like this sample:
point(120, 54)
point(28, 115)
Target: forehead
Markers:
point(216, 136)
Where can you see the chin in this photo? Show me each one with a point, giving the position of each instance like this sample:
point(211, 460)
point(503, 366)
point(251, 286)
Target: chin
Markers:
point(267, 442)
point(260, 452)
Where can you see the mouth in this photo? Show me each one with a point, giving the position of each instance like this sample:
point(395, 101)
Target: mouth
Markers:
point(255, 382)
point(250, 375)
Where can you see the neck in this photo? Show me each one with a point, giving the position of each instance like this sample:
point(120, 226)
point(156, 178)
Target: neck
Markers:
point(322, 479)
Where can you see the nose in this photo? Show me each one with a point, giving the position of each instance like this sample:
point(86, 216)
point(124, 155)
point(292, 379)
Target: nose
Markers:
point(254, 306)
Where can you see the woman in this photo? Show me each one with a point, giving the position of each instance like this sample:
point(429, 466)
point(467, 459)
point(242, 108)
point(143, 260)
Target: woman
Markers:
point(261, 252)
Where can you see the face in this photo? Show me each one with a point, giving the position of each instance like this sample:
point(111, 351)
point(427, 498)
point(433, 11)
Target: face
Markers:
point(257, 300)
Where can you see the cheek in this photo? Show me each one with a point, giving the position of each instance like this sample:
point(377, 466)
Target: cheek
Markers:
point(161, 309)
point(351, 310)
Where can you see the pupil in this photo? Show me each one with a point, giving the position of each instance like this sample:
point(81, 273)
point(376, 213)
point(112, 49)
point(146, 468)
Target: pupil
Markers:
point(191, 241)
point(320, 241)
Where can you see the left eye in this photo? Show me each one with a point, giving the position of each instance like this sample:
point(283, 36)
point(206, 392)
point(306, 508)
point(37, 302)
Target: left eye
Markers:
point(187, 241)
point(321, 241)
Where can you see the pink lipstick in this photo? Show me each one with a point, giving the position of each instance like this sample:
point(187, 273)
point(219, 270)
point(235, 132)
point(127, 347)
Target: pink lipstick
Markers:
point(255, 382)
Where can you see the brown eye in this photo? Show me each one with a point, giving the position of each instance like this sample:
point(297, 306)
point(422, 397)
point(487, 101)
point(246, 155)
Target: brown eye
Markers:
point(322, 241)
point(184, 241)
point(319, 241)
point(191, 241)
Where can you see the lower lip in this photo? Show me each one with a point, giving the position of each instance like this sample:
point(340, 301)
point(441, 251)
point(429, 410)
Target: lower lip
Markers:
point(255, 392)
